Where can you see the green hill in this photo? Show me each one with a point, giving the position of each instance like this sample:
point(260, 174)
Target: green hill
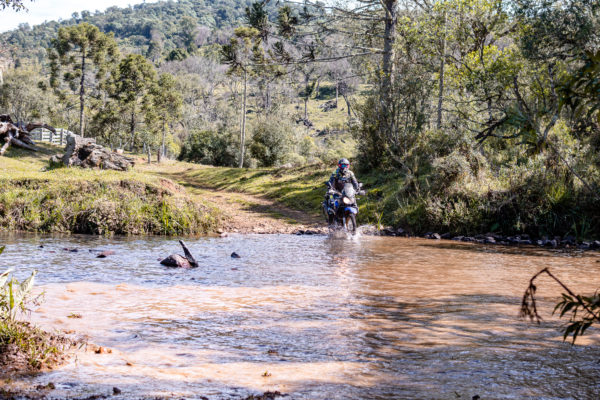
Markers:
point(155, 26)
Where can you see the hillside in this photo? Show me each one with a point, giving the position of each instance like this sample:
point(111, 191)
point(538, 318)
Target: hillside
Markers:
point(155, 26)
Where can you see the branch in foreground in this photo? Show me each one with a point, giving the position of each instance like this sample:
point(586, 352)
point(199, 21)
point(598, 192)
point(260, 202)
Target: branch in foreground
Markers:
point(570, 302)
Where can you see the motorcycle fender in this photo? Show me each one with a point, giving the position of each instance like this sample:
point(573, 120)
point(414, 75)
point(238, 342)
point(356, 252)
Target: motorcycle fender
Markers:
point(353, 210)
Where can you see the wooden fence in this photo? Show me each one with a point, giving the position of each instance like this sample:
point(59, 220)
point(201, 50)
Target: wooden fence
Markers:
point(44, 135)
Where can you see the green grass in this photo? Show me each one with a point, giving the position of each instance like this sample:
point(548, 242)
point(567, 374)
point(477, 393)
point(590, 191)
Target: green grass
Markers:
point(300, 188)
point(94, 201)
point(32, 347)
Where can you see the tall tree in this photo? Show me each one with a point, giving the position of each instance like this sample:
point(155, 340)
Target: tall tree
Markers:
point(189, 31)
point(14, 4)
point(132, 83)
point(167, 103)
point(21, 96)
point(240, 54)
point(83, 54)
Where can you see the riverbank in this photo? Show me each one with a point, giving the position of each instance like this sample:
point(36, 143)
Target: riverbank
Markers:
point(74, 200)
point(26, 349)
point(481, 210)
point(178, 198)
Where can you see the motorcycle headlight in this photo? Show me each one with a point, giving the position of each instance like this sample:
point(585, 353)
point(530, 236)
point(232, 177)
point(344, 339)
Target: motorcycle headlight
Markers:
point(347, 201)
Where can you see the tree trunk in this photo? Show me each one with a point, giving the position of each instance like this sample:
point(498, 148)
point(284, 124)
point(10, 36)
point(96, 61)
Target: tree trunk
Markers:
point(149, 152)
point(387, 127)
point(162, 150)
point(82, 97)
point(243, 132)
point(306, 108)
point(389, 39)
point(347, 105)
point(268, 100)
point(337, 93)
point(132, 129)
point(441, 83)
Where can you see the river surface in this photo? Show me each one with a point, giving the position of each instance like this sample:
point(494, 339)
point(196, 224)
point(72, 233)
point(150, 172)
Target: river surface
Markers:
point(314, 317)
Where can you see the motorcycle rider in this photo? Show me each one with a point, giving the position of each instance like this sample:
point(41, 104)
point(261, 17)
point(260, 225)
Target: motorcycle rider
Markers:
point(342, 175)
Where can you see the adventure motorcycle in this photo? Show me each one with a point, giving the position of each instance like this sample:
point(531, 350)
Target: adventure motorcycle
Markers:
point(340, 208)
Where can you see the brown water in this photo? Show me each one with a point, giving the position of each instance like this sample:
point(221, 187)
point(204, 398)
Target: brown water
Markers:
point(327, 318)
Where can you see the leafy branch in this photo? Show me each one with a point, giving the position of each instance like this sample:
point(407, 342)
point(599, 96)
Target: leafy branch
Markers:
point(583, 309)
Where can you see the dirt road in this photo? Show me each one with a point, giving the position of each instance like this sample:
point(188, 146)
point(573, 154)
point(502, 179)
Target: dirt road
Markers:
point(246, 213)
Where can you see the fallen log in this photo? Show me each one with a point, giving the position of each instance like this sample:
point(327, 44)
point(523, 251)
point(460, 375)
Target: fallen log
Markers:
point(11, 134)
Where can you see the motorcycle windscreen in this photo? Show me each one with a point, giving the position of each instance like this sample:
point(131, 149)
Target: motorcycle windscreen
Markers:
point(349, 191)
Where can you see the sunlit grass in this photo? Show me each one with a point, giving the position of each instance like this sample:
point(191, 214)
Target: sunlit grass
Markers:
point(94, 201)
point(300, 188)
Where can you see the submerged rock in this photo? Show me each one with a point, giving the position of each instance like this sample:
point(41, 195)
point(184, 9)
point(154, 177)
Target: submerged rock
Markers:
point(265, 396)
point(176, 261)
point(105, 254)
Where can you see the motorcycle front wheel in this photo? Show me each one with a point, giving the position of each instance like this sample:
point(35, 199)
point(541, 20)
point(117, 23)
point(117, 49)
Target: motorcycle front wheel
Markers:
point(331, 220)
point(350, 223)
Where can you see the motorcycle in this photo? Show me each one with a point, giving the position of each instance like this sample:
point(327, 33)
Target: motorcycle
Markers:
point(340, 208)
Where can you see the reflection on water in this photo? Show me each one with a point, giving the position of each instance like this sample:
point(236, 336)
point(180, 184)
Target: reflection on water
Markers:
point(376, 318)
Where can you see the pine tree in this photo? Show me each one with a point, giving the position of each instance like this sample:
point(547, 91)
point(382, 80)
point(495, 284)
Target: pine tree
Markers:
point(83, 54)
point(167, 104)
point(132, 84)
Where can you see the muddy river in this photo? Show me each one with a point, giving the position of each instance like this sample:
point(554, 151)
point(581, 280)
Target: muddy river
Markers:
point(314, 317)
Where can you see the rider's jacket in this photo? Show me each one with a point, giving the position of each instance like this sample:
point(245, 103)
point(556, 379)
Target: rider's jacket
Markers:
point(339, 178)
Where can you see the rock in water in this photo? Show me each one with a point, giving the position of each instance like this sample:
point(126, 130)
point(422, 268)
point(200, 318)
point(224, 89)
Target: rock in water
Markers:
point(84, 152)
point(176, 261)
point(105, 254)
point(235, 255)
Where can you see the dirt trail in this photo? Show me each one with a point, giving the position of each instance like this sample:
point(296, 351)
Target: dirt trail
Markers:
point(246, 213)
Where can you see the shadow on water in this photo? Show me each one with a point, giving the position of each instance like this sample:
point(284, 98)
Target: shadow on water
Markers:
point(529, 251)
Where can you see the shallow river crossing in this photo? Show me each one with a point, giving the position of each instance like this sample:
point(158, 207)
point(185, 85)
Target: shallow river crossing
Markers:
point(313, 317)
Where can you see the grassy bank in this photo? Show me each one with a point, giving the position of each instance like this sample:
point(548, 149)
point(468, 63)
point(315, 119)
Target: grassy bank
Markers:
point(301, 188)
point(96, 202)
point(451, 198)
point(454, 195)
point(24, 348)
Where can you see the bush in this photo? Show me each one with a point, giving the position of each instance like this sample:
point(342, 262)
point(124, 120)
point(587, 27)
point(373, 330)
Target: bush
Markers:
point(273, 138)
point(449, 169)
point(210, 147)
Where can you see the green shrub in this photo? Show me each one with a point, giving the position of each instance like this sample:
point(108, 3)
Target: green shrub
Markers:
point(210, 147)
point(273, 138)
